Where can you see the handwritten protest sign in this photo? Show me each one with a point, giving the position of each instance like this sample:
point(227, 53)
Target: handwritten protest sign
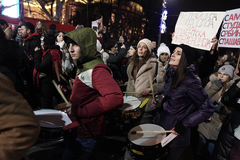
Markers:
point(197, 29)
point(230, 31)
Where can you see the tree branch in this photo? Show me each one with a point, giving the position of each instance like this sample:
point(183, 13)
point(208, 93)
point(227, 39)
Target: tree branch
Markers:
point(44, 9)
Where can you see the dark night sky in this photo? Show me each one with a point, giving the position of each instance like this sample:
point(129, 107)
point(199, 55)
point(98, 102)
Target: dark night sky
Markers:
point(152, 10)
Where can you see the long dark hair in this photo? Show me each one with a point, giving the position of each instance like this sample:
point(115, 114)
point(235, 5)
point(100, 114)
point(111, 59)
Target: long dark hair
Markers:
point(180, 72)
point(136, 61)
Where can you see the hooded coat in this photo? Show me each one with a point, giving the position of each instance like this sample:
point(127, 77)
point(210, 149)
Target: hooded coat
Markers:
point(185, 106)
point(94, 90)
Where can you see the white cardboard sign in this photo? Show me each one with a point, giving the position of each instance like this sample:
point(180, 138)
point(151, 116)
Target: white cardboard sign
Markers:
point(197, 29)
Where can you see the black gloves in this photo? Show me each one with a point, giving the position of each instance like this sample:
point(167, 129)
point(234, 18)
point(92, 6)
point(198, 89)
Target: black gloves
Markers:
point(219, 84)
point(179, 128)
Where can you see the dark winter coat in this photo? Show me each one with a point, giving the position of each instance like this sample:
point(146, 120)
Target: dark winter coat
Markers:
point(184, 107)
point(28, 46)
point(225, 139)
point(11, 61)
point(44, 65)
point(114, 63)
point(30, 43)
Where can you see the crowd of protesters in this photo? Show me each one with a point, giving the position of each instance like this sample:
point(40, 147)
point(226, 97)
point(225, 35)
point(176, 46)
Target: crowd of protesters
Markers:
point(201, 89)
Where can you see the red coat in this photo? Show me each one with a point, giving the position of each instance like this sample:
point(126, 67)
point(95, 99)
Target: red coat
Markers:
point(94, 93)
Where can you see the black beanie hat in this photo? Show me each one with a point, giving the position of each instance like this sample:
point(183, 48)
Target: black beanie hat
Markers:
point(49, 40)
point(52, 27)
point(69, 40)
point(191, 54)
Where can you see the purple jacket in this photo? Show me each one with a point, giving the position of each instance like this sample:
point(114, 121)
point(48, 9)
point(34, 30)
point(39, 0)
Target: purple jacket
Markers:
point(182, 106)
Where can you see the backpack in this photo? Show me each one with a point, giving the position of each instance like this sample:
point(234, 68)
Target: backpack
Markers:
point(56, 64)
point(56, 58)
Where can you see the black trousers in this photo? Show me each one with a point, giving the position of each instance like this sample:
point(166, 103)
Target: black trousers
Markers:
point(175, 153)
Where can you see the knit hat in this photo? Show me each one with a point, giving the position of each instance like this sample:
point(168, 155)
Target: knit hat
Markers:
point(163, 49)
point(191, 54)
point(147, 42)
point(52, 27)
point(227, 69)
point(49, 40)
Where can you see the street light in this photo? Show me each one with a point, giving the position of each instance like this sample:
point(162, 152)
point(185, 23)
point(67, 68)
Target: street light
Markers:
point(163, 26)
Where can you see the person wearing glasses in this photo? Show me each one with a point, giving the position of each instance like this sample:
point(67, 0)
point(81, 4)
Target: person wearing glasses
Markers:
point(41, 28)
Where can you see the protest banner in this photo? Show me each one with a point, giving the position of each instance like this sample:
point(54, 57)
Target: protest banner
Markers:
point(197, 29)
point(230, 31)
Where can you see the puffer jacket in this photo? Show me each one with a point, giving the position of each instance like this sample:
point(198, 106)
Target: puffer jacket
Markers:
point(225, 139)
point(184, 107)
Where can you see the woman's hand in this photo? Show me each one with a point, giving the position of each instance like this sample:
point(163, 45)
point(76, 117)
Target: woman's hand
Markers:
point(123, 46)
point(69, 108)
point(153, 104)
point(145, 91)
point(215, 42)
point(238, 84)
point(37, 48)
point(236, 71)
point(173, 131)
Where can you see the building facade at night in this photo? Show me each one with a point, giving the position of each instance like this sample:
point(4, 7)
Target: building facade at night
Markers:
point(121, 17)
